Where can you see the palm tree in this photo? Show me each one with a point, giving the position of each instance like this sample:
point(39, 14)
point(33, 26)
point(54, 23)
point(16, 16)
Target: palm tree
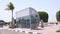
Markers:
point(11, 7)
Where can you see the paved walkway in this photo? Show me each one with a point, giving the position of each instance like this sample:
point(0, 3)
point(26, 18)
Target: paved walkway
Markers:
point(49, 29)
point(1, 31)
point(5, 30)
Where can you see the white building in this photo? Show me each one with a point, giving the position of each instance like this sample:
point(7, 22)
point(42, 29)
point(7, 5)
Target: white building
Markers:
point(27, 18)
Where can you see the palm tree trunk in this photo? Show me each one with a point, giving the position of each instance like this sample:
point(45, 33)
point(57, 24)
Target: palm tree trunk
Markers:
point(12, 16)
point(12, 19)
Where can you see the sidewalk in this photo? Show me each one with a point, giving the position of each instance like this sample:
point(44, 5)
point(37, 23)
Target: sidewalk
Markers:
point(50, 29)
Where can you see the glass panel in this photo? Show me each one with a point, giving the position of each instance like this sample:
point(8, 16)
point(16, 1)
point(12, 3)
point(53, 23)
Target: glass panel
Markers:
point(28, 23)
point(33, 20)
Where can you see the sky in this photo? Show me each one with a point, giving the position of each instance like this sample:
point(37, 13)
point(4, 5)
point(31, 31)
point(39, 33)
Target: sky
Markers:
point(49, 6)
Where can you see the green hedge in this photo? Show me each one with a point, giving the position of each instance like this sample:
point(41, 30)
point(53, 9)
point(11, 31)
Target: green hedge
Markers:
point(43, 16)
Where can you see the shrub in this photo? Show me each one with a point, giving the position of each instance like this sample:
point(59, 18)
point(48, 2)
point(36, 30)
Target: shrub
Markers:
point(43, 16)
point(58, 15)
point(58, 31)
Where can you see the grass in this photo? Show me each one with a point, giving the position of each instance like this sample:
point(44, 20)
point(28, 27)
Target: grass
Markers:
point(58, 31)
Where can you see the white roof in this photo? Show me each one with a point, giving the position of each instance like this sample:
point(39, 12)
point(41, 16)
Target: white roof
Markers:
point(24, 12)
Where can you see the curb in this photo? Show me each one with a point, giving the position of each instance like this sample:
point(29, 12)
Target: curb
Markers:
point(24, 31)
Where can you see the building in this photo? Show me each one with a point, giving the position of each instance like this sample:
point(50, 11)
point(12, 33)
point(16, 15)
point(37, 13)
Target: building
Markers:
point(27, 18)
point(1, 23)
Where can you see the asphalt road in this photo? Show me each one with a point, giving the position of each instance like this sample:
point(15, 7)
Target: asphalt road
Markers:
point(5, 31)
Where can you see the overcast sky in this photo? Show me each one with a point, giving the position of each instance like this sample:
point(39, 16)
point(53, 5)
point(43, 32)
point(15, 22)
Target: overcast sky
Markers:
point(49, 6)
